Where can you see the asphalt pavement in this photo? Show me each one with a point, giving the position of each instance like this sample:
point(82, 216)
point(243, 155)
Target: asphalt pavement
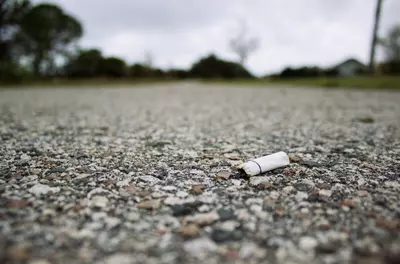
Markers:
point(148, 174)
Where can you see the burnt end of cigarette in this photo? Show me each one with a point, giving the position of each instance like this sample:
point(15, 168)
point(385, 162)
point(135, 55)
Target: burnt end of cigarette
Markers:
point(266, 163)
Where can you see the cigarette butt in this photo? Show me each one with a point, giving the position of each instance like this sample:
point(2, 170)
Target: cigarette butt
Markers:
point(266, 163)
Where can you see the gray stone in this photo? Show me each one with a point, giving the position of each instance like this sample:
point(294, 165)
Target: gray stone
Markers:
point(226, 214)
point(257, 180)
point(25, 157)
point(132, 216)
point(224, 235)
point(203, 218)
point(30, 178)
point(305, 185)
point(148, 179)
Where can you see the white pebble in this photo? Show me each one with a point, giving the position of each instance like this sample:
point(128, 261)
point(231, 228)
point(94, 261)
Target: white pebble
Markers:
point(132, 216)
point(288, 189)
point(307, 243)
point(169, 188)
point(182, 194)
point(325, 193)
point(112, 222)
point(301, 196)
point(99, 201)
point(25, 157)
point(123, 183)
point(257, 180)
point(149, 179)
point(39, 189)
point(236, 182)
point(120, 258)
point(29, 178)
point(200, 247)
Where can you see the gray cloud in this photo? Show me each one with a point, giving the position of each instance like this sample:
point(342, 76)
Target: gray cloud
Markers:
point(292, 32)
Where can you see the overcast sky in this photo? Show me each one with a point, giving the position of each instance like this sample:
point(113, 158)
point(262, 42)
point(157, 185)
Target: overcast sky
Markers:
point(178, 32)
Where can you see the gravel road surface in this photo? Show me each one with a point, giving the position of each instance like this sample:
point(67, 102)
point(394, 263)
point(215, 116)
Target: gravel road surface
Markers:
point(148, 175)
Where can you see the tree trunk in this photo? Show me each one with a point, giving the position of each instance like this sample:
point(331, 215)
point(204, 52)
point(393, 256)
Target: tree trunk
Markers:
point(375, 37)
point(37, 62)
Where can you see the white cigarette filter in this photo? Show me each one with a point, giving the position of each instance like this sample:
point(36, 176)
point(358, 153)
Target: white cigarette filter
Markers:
point(266, 163)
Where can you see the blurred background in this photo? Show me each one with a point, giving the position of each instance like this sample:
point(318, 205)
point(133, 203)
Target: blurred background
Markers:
point(327, 43)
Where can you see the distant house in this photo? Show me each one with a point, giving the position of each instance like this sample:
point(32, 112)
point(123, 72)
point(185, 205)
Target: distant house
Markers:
point(350, 67)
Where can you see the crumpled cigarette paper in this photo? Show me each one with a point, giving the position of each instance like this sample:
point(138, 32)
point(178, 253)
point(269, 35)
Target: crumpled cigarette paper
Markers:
point(266, 163)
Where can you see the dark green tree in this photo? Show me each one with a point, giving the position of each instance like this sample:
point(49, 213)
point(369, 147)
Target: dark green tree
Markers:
point(113, 67)
point(11, 13)
point(177, 74)
point(45, 31)
point(10, 16)
point(85, 65)
point(140, 71)
point(304, 72)
point(213, 67)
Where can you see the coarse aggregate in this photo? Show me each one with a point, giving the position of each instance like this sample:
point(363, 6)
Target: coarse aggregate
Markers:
point(148, 174)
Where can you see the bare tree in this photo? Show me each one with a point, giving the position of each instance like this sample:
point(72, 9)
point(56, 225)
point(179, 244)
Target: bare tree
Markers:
point(391, 44)
point(375, 36)
point(242, 44)
point(148, 59)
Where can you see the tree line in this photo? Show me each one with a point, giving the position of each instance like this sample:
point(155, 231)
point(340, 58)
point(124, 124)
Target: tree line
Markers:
point(35, 38)
point(91, 63)
point(40, 41)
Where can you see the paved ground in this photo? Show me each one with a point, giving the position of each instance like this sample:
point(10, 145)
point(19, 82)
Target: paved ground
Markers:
point(147, 175)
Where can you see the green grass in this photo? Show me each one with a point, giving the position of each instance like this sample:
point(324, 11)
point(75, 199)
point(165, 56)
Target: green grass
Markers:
point(362, 82)
point(379, 82)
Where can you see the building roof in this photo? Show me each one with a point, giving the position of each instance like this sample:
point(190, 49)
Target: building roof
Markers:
point(351, 60)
